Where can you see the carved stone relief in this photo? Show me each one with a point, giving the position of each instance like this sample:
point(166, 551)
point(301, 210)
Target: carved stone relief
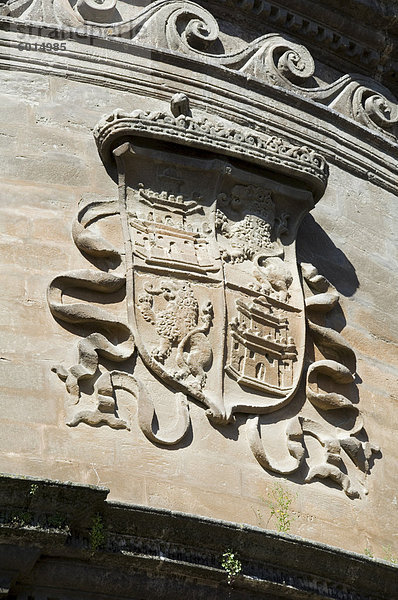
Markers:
point(214, 299)
point(187, 28)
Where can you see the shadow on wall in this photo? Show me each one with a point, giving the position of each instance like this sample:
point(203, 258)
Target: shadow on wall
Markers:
point(313, 437)
point(315, 246)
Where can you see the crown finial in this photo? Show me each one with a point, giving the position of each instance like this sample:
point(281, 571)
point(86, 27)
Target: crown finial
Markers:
point(179, 105)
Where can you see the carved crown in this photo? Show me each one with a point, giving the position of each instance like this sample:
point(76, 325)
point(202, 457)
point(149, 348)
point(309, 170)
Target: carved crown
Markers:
point(271, 152)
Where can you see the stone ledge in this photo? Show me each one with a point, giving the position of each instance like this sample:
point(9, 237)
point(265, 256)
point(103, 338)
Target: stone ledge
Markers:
point(47, 527)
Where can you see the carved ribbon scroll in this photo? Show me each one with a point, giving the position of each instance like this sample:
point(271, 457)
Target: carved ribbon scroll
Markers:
point(209, 255)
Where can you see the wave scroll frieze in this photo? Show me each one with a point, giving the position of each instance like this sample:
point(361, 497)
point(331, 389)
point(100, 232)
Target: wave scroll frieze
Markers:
point(187, 28)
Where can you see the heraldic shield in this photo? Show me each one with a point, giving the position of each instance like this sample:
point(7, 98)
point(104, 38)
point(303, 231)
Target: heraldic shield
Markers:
point(214, 297)
point(209, 300)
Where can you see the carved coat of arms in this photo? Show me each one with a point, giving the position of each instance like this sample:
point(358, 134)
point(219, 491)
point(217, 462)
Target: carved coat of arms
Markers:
point(215, 301)
point(214, 298)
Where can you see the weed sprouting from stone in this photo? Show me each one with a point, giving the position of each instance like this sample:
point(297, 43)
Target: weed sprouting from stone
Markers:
point(389, 556)
point(279, 501)
point(33, 489)
point(231, 564)
point(97, 533)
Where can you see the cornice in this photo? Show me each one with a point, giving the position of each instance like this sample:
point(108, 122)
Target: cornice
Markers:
point(187, 28)
point(50, 526)
point(213, 88)
point(316, 25)
point(342, 35)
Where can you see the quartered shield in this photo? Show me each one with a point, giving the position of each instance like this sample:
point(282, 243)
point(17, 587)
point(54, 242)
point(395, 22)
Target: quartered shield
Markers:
point(214, 295)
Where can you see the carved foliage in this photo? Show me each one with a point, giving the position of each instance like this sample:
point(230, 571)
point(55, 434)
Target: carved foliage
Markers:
point(272, 152)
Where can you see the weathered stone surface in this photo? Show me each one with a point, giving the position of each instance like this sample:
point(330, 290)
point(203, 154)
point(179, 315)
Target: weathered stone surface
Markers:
point(273, 104)
point(71, 542)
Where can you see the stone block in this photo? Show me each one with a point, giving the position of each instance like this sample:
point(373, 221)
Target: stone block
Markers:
point(227, 156)
point(34, 255)
point(56, 168)
point(193, 500)
point(78, 445)
point(20, 439)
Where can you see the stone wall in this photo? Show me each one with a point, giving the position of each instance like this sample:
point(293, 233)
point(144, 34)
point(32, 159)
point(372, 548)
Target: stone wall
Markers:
point(65, 541)
point(50, 105)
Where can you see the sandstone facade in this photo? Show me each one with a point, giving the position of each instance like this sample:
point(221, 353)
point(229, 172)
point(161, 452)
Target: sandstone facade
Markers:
point(216, 128)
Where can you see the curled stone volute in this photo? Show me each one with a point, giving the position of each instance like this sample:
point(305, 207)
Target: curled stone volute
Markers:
point(295, 64)
point(375, 110)
point(383, 112)
point(190, 27)
point(97, 11)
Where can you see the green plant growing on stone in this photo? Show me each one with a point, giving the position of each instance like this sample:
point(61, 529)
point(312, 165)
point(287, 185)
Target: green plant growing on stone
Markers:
point(57, 521)
point(259, 515)
point(279, 501)
point(389, 556)
point(231, 564)
point(97, 533)
point(368, 552)
point(33, 489)
point(21, 518)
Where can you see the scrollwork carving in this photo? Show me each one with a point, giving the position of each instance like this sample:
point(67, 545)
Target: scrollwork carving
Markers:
point(293, 441)
point(190, 27)
point(338, 445)
point(111, 338)
point(187, 28)
point(316, 32)
point(375, 110)
point(338, 373)
point(331, 466)
point(280, 62)
point(104, 413)
point(97, 11)
point(339, 366)
point(213, 296)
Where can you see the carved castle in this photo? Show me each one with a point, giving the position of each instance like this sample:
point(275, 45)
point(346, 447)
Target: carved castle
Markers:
point(262, 354)
point(178, 378)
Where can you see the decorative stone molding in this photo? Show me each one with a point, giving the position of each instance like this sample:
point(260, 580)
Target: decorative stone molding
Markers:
point(286, 18)
point(264, 108)
point(268, 152)
point(46, 542)
point(187, 28)
point(209, 218)
point(294, 23)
